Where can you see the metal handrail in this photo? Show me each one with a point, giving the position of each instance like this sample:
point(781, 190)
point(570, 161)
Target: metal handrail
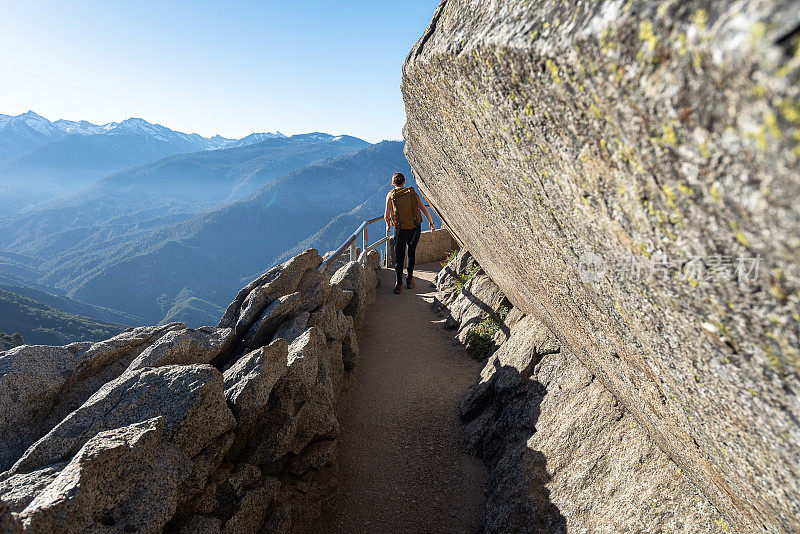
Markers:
point(350, 243)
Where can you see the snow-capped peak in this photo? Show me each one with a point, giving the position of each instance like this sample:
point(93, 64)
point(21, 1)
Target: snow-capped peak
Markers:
point(82, 127)
point(138, 126)
point(36, 122)
point(254, 138)
point(318, 137)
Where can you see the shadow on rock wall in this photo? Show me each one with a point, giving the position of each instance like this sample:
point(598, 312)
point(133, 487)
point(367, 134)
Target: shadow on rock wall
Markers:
point(500, 415)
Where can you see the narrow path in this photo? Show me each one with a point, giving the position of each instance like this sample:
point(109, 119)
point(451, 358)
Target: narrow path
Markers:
point(401, 465)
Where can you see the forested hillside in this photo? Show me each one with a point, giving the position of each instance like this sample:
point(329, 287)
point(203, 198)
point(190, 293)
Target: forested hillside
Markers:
point(41, 324)
point(210, 254)
point(10, 341)
point(172, 239)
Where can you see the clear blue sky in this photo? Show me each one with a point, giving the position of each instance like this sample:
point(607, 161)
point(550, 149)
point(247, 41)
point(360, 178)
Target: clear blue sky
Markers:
point(227, 67)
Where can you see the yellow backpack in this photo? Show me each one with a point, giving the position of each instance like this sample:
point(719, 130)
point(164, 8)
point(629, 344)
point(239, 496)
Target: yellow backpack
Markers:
point(406, 211)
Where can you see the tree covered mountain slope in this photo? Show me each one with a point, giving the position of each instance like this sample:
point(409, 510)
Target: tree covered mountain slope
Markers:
point(71, 306)
point(211, 178)
point(211, 253)
point(9, 341)
point(41, 324)
point(135, 201)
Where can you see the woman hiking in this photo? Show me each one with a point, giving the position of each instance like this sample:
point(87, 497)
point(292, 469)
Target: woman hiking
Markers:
point(403, 207)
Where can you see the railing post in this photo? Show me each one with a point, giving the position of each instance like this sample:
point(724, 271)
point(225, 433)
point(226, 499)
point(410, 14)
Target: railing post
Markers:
point(353, 251)
point(366, 243)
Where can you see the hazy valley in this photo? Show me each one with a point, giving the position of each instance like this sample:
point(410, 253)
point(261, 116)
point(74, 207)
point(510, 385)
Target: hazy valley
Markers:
point(133, 223)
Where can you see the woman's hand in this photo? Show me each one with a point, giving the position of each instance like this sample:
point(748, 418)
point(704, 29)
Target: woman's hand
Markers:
point(431, 226)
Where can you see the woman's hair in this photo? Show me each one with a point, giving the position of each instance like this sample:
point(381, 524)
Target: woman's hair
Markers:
point(398, 179)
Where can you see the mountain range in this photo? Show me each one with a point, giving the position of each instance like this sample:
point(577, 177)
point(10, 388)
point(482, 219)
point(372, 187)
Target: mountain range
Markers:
point(173, 238)
point(41, 160)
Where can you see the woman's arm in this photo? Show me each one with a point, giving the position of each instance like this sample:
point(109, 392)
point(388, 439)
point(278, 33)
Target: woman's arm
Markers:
point(427, 214)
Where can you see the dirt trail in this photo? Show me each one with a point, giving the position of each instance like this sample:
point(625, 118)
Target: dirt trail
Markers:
point(401, 465)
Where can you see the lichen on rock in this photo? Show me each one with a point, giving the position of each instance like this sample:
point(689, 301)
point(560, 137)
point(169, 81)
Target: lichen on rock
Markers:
point(661, 134)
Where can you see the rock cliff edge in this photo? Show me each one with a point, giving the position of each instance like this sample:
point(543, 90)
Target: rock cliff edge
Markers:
point(618, 168)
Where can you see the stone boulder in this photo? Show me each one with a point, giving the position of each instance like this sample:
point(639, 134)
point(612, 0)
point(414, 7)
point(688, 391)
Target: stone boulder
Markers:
point(340, 297)
point(332, 321)
point(314, 289)
point(304, 357)
point(9, 524)
point(457, 268)
point(201, 524)
point(265, 435)
point(184, 347)
point(190, 398)
point(226, 496)
point(124, 479)
point(355, 277)
point(317, 456)
point(18, 490)
point(374, 259)
point(350, 350)
point(618, 169)
point(292, 328)
point(478, 298)
point(255, 296)
point(41, 383)
point(273, 316)
point(318, 366)
point(249, 382)
point(252, 508)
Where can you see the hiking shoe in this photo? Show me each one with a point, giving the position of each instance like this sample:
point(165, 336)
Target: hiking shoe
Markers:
point(410, 282)
point(398, 287)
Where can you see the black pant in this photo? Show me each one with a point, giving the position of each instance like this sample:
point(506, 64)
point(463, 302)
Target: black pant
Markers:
point(402, 239)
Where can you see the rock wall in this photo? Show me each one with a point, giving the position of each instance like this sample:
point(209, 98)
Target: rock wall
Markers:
point(432, 246)
point(224, 429)
point(563, 454)
point(616, 167)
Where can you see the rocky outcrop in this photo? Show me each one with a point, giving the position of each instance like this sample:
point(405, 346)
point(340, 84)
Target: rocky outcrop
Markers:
point(225, 429)
point(563, 454)
point(617, 168)
point(40, 385)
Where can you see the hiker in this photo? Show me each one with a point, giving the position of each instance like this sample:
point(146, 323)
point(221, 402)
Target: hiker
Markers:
point(403, 207)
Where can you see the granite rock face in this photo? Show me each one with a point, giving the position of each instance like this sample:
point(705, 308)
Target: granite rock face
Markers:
point(87, 495)
point(616, 168)
point(224, 429)
point(39, 385)
point(432, 246)
point(361, 281)
point(563, 454)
